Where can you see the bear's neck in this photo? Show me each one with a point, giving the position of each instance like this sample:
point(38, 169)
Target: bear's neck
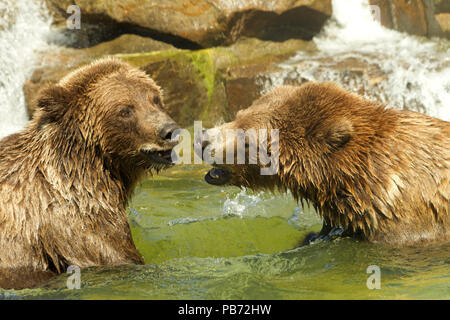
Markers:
point(71, 164)
point(317, 181)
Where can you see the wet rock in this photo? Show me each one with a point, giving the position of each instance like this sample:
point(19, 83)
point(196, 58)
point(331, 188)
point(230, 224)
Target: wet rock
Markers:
point(204, 22)
point(127, 43)
point(244, 82)
point(88, 36)
point(356, 73)
point(441, 6)
point(208, 84)
point(211, 84)
point(442, 11)
point(444, 22)
point(369, 75)
point(7, 15)
point(410, 16)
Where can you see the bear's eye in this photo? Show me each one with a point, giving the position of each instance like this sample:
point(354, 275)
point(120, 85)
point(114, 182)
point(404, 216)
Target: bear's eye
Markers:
point(126, 112)
point(157, 100)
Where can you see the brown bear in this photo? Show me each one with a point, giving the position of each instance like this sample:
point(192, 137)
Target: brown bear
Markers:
point(65, 180)
point(371, 172)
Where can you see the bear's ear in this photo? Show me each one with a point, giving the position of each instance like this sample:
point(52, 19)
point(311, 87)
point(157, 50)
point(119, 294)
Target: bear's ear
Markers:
point(338, 133)
point(332, 133)
point(52, 101)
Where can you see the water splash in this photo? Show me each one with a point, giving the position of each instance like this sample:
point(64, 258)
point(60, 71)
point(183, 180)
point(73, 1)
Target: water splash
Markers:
point(246, 204)
point(24, 26)
point(240, 204)
point(409, 72)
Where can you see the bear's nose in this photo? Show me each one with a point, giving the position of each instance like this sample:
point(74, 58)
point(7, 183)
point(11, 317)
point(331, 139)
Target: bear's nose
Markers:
point(166, 132)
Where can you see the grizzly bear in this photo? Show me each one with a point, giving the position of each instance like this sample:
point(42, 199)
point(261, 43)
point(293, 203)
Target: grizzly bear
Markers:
point(371, 172)
point(65, 180)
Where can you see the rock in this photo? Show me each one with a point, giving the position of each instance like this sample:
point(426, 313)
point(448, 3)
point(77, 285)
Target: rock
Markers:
point(368, 75)
point(356, 74)
point(201, 85)
point(444, 22)
point(411, 16)
point(441, 6)
point(88, 36)
point(205, 22)
point(55, 64)
point(208, 84)
point(127, 43)
point(8, 14)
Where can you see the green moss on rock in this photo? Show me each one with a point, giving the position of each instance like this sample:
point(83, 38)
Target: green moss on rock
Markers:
point(194, 82)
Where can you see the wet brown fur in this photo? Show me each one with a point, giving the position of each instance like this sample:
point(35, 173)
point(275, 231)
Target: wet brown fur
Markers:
point(381, 174)
point(65, 180)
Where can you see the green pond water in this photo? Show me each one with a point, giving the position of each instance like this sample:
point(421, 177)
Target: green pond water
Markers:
point(206, 242)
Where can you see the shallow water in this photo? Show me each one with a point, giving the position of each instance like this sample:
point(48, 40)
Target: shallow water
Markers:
point(204, 242)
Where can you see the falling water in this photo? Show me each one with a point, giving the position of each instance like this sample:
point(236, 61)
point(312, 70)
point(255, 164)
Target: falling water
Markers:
point(408, 72)
point(24, 26)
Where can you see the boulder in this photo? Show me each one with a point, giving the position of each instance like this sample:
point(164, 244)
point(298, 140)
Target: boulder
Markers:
point(444, 22)
point(442, 11)
point(209, 84)
point(204, 84)
point(410, 16)
point(204, 22)
point(7, 16)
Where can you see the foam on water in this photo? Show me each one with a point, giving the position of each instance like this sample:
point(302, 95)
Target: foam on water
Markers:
point(240, 204)
point(352, 26)
point(246, 204)
point(24, 26)
point(415, 70)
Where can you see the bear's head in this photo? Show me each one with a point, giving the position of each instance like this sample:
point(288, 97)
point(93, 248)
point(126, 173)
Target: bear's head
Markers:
point(111, 107)
point(233, 148)
point(290, 132)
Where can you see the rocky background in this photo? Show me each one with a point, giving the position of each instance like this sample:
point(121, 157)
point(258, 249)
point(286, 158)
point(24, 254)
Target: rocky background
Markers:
point(212, 57)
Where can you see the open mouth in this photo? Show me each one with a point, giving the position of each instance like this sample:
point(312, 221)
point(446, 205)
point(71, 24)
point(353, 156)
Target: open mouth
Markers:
point(218, 176)
point(161, 156)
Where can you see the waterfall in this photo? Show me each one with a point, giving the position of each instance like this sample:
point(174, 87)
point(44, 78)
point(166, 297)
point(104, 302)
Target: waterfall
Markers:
point(24, 27)
point(415, 71)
